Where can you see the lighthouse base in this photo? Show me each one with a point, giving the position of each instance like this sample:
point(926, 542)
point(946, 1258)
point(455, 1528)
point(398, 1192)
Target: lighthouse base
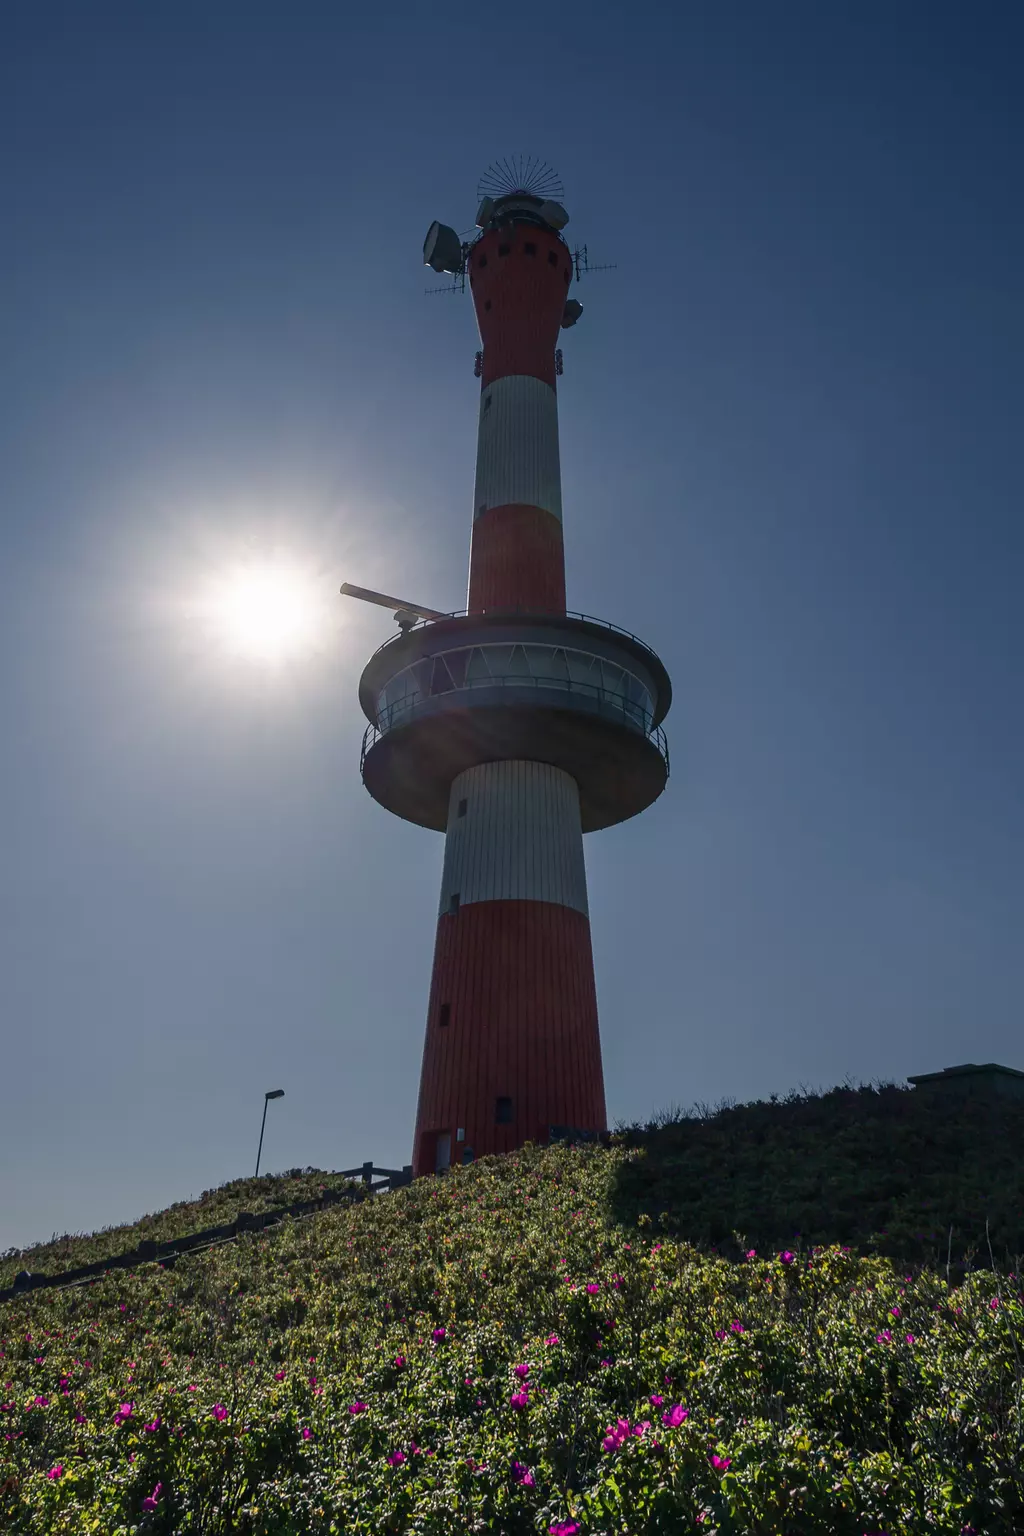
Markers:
point(512, 1045)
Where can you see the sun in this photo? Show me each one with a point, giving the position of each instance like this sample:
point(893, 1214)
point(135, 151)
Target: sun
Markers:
point(267, 612)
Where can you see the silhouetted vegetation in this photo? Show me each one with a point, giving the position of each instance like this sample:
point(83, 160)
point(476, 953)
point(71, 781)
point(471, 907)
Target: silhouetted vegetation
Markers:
point(883, 1169)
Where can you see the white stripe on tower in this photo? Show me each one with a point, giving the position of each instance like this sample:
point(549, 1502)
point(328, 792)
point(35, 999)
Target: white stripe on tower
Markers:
point(517, 446)
point(514, 834)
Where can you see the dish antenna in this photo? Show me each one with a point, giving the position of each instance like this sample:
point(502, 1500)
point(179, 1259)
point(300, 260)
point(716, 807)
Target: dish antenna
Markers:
point(406, 614)
point(442, 249)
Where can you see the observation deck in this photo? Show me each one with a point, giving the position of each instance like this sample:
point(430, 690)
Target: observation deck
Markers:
point(566, 689)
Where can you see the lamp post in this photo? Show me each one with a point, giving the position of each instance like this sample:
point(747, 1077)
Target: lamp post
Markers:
point(275, 1093)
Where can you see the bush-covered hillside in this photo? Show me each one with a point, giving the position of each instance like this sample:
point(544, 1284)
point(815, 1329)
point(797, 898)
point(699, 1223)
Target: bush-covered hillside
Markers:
point(885, 1169)
point(498, 1351)
point(212, 1208)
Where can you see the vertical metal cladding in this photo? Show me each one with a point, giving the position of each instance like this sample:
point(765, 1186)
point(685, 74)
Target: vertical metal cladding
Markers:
point(514, 835)
point(517, 447)
point(512, 1026)
point(512, 1017)
point(519, 276)
point(516, 561)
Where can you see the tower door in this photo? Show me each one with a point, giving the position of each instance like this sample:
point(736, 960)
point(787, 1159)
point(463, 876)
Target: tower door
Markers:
point(443, 1151)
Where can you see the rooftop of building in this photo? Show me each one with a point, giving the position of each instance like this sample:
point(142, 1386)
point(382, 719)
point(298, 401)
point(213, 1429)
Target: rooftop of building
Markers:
point(966, 1069)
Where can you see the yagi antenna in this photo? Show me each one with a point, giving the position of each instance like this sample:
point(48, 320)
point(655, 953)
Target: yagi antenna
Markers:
point(582, 265)
point(457, 284)
point(406, 614)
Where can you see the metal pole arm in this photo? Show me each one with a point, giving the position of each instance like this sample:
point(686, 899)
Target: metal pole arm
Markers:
point(262, 1129)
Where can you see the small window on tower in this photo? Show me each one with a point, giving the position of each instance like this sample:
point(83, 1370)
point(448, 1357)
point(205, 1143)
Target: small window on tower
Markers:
point(503, 1111)
point(529, 248)
point(552, 258)
point(504, 250)
point(453, 903)
point(445, 1016)
point(463, 806)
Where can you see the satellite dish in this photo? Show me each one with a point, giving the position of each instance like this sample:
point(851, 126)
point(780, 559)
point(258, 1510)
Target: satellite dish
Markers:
point(571, 313)
point(553, 214)
point(442, 249)
point(484, 213)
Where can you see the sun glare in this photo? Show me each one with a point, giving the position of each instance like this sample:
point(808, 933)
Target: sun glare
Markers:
point(265, 613)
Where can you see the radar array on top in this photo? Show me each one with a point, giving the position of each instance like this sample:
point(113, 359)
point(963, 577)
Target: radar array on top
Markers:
point(520, 173)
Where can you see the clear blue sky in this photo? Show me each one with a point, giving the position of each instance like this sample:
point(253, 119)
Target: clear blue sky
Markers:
point(791, 443)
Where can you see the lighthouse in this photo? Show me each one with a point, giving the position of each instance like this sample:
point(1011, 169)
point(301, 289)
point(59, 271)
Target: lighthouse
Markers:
point(514, 727)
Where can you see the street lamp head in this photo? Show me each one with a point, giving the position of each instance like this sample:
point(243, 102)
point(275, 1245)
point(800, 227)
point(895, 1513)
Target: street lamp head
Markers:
point(275, 1093)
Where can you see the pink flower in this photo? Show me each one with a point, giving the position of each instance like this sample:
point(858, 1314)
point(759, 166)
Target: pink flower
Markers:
point(751, 1253)
point(358, 1407)
point(885, 1337)
point(55, 1472)
point(307, 1433)
point(719, 1333)
point(396, 1458)
point(552, 1338)
point(522, 1371)
point(736, 1326)
point(399, 1362)
point(124, 1413)
point(616, 1435)
point(522, 1474)
point(911, 1339)
point(655, 1401)
point(150, 1503)
point(80, 1418)
point(519, 1400)
point(592, 1289)
point(563, 1528)
point(786, 1257)
point(219, 1412)
point(641, 1429)
point(994, 1302)
point(41, 1402)
point(675, 1416)
point(895, 1312)
point(438, 1335)
point(721, 1463)
point(279, 1375)
point(151, 1429)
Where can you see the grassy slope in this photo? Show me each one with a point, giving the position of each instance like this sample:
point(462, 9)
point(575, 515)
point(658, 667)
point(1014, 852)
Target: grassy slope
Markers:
point(213, 1208)
point(796, 1374)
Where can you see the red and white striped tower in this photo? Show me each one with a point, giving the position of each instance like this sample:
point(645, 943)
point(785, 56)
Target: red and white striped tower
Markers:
point(515, 728)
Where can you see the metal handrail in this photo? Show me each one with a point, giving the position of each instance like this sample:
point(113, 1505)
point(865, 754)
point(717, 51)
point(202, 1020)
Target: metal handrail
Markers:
point(608, 701)
point(519, 613)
